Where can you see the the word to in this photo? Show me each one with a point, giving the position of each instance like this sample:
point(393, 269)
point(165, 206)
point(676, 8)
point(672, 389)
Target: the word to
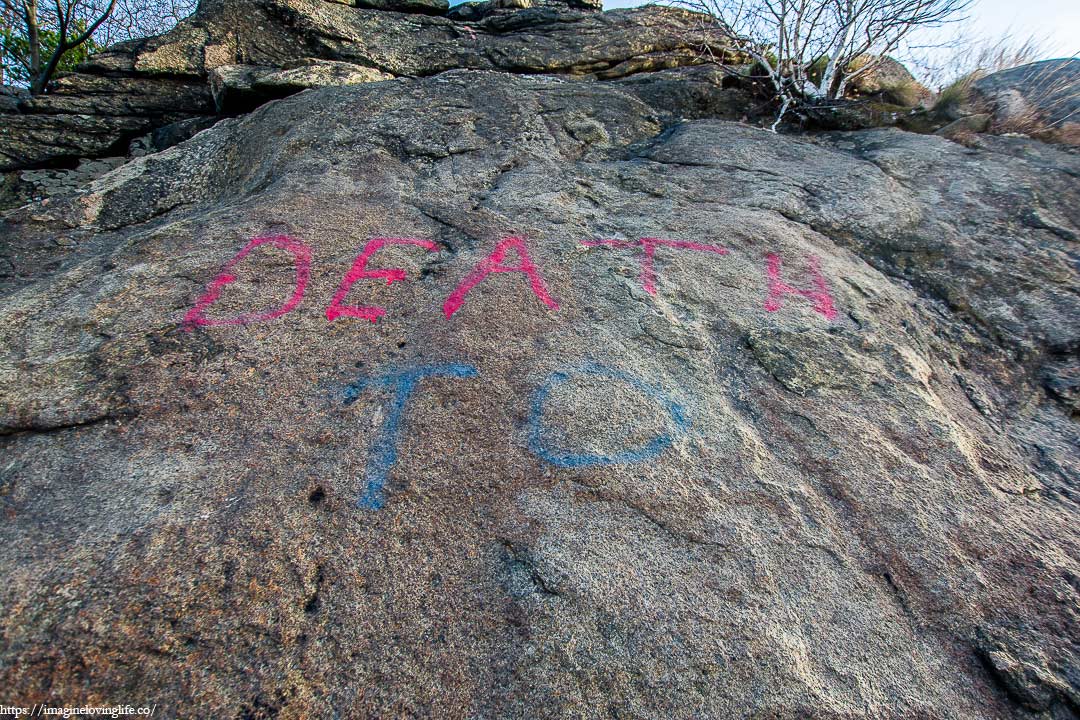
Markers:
point(402, 383)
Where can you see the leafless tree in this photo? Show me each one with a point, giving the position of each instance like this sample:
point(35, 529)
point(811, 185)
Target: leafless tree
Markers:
point(37, 36)
point(53, 28)
point(811, 50)
point(141, 18)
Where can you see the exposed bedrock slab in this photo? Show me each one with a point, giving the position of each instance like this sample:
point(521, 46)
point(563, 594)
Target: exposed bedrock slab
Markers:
point(662, 418)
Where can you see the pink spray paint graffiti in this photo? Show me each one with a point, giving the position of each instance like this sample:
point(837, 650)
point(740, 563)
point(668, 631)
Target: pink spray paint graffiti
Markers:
point(301, 259)
point(818, 293)
point(823, 302)
point(493, 263)
point(359, 271)
point(649, 245)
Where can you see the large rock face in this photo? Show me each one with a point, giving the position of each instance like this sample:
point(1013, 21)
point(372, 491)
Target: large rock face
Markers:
point(1041, 97)
point(493, 395)
point(243, 46)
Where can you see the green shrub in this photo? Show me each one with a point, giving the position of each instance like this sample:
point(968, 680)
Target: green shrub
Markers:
point(15, 49)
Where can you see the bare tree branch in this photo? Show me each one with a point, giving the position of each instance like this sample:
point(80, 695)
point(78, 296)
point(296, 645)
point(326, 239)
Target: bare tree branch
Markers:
point(38, 39)
point(811, 50)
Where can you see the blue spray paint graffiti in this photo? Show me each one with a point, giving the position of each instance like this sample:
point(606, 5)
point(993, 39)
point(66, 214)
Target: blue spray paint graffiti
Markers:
point(566, 459)
point(384, 449)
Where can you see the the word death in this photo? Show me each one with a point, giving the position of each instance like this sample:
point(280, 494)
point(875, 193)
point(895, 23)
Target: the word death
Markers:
point(496, 261)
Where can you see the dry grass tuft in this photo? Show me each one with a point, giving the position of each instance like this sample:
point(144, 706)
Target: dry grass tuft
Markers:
point(974, 59)
point(956, 94)
point(907, 93)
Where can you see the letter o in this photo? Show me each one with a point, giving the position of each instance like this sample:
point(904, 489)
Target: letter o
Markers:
point(565, 458)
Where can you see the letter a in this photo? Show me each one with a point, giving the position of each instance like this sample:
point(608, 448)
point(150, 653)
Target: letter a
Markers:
point(493, 263)
point(301, 259)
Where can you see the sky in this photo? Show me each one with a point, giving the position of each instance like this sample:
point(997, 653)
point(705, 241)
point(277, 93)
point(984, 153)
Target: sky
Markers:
point(1055, 22)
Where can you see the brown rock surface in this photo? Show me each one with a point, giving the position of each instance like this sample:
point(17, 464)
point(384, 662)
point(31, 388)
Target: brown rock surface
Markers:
point(762, 425)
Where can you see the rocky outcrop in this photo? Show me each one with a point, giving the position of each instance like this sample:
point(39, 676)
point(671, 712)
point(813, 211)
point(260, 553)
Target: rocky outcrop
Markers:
point(1040, 98)
point(1036, 100)
point(889, 81)
point(508, 392)
point(738, 425)
point(242, 88)
point(429, 7)
point(234, 55)
point(93, 115)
